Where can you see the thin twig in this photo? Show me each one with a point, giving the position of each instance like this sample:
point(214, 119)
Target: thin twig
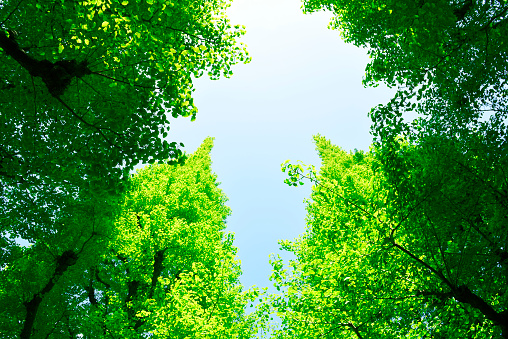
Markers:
point(12, 12)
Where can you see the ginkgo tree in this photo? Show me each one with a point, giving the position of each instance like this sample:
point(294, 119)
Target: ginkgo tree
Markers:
point(370, 267)
point(161, 267)
point(86, 91)
point(440, 226)
point(447, 58)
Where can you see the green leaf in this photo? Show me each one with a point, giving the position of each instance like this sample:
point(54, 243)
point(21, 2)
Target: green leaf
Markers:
point(69, 174)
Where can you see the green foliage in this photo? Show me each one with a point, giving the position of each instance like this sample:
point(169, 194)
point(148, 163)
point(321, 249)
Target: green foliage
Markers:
point(87, 88)
point(447, 59)
point(433, 261)
point(444, 53)
point(162, 266)
point(412, 261)
point(451, 193)
point(296, 173)
point(86, 91)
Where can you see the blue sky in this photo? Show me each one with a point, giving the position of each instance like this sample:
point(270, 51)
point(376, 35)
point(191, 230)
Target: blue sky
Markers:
point(303, 80)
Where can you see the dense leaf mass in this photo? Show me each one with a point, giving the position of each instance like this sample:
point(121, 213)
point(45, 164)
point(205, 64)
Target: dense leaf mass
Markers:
point(447, 59)
point(411, 241)
point(86, 89)
point(450, 54)
point(375, 264)
point(161, 267)
point(408, 240)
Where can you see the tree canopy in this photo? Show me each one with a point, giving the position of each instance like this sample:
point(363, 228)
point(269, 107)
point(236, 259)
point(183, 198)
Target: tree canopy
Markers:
point(410, 239)
point(161, 266)
point(448, 54)
point(407, 240)
point(86, 91)
point(447, 60)
point(429, 264)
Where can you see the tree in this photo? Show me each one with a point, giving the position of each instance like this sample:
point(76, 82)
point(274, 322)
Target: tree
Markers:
point(164, 269)
point(447, 59)
point(86, 90)
point(449, 55)
point(444, 183)
point(369, 266)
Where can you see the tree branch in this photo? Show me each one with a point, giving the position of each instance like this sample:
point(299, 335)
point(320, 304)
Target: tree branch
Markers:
point(424, 264)
point(355, 329)
point(11, 13)
point(158, 261)
point(90, 289)
point(56, 76)
point(124, 82)
point(464, 295)
point(64, 261)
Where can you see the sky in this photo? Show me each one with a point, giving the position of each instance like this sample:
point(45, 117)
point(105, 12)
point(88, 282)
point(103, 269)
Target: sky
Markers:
point(303, 80)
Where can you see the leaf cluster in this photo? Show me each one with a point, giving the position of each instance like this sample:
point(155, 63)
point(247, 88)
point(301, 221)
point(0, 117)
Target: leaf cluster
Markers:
point(164, 268)
point(413, 243)
point(87, 88)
